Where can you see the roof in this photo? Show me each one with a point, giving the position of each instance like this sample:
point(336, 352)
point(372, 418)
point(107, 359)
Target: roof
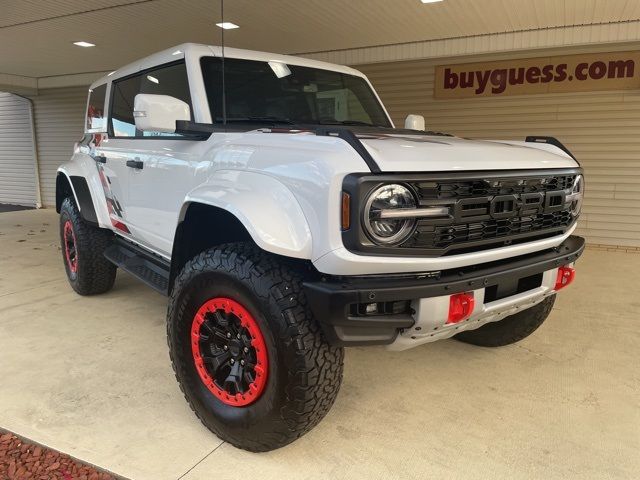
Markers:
point(198, 50)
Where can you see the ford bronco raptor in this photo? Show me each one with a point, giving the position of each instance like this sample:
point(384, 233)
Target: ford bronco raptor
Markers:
point(274, 202)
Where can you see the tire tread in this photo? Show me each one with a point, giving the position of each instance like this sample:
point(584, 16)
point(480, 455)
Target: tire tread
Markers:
point(96, 274)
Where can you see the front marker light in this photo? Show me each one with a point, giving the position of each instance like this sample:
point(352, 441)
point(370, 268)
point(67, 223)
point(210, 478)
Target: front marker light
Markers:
point(345, 211)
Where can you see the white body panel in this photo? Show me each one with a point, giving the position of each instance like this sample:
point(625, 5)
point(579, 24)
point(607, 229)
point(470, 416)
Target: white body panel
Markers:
point(284, 187)
point(412, 153)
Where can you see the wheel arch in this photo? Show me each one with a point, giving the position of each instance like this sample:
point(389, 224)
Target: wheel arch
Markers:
point(266, 208)
point(199, 229)
point(76, 186)
point(64, 189)
point(246, 211)
point(196, 232)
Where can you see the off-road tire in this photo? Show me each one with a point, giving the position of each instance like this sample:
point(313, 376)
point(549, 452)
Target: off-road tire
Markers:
point(94, 274)
point(511, 329)
point(304, 371)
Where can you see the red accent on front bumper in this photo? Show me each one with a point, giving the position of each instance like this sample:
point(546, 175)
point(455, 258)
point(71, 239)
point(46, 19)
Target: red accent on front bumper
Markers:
point(566, 275)
point(460, 307)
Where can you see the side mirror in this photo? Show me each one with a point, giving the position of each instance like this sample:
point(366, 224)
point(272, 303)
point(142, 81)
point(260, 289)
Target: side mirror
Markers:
point(414, 122)
point(159, 113)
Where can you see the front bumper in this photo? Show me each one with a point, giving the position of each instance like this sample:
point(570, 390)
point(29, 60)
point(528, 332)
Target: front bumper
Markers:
point(332, 299)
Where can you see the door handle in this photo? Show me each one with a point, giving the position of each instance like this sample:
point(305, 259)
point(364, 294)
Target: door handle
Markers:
point(100, 158)
point(135, 164)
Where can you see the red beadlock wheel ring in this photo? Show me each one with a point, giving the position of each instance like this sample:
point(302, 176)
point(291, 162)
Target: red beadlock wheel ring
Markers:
point(226, 341)
point(70, 246)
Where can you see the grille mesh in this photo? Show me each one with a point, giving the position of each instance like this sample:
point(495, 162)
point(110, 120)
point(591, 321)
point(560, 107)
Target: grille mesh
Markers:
point(453, 236)
point(496, 186)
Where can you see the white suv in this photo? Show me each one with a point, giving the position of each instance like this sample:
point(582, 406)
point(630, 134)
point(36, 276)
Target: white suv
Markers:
point(275, 203)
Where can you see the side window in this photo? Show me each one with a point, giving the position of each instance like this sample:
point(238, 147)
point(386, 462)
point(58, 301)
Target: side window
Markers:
point(169, 80)
point(96, 122)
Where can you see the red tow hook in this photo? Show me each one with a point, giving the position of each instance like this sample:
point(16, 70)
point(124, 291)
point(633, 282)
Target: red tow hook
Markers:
point(566, 275)
point(460, 307)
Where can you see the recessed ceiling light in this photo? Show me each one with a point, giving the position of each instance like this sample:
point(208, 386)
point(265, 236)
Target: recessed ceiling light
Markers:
point(430, 1)
point(84, 44)
point(152, 79)
point(227, 25)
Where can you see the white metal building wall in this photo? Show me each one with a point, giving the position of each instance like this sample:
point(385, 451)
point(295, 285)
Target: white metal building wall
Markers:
point(600, 128)
point(17, 156)
point(59, 116)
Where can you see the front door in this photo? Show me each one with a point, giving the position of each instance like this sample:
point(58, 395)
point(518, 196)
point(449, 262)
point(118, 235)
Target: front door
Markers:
point(157, 167)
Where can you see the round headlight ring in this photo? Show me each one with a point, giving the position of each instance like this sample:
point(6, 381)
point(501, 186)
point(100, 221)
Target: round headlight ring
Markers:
point(390, 231)
point(578, 187)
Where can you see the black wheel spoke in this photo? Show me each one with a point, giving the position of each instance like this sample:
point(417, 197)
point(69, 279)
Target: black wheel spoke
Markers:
point(249, 365)
point(221, 318)
point(217, 361)
point(233, 382)
point(207, 326)
point(248, 376)
point(219, 333)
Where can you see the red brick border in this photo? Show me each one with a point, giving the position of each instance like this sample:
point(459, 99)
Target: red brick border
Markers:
point(21, 459)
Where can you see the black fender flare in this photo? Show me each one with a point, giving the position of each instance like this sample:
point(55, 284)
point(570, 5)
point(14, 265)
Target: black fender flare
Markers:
point(80, 190)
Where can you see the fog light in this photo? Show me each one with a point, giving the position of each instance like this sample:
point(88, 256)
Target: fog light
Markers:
point(566, 275)
point(398, 307)
point(460, 307)
point(371, 308)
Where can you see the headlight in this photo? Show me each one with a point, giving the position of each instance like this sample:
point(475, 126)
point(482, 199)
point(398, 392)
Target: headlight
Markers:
point(576, 196)
point(380, 222)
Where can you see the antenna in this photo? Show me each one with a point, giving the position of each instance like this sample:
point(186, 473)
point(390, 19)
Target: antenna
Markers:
point(224, 96)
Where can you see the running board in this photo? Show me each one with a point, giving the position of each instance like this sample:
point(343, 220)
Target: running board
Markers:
point(142, 265)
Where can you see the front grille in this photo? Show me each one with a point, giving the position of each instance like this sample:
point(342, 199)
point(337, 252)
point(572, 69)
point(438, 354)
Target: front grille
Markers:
point(474, 224)
point(443, 237)
point(487, 210)
point(429, 190)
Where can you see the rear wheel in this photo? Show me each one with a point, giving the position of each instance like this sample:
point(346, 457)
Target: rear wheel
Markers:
point(248, 355)
point(82, 248)
point(511, 329)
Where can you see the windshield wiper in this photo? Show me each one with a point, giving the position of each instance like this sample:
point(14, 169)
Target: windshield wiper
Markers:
point(266, 119)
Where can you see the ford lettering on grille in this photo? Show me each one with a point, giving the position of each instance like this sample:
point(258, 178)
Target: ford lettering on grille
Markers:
point(507, 206)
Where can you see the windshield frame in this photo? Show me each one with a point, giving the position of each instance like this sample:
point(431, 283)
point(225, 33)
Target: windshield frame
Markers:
point(382, 118)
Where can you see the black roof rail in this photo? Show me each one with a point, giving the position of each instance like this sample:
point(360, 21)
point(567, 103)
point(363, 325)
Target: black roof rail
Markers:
point(551, 141)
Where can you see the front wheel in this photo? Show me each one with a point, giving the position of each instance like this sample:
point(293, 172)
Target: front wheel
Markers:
point(249, 357)
point(511, 329)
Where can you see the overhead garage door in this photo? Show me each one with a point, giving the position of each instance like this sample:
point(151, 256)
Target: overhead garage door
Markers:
point(59, 115)
point(600, 128)
point(17, 156)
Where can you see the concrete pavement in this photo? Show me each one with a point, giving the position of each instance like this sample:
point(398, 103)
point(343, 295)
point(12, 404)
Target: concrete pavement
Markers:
point(91, 377)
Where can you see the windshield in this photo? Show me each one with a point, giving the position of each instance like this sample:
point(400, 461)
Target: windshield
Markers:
point(274, 92)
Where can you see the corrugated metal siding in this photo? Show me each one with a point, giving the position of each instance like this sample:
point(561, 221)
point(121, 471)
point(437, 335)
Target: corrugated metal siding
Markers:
point(600, 128)
point(603, 35)
point(59, 115)
point(17, 157)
